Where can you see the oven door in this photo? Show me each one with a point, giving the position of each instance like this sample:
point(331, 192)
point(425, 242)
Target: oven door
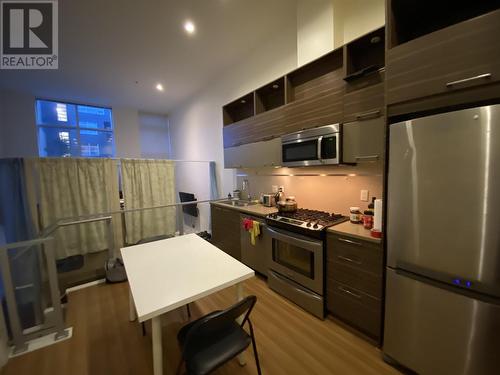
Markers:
point(298, 258)
point(320, 150)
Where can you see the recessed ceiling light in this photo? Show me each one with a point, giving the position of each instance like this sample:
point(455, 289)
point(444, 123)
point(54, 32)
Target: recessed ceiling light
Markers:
point(159, 87)
point(189, 27)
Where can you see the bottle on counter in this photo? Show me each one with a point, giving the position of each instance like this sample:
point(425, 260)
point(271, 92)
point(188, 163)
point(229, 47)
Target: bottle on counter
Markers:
point(371, 206)
point(355, 215)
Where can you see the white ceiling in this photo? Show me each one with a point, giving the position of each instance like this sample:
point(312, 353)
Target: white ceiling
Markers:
point(113, 52)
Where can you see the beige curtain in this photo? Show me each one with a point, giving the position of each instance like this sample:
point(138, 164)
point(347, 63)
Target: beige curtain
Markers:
point(148, 183)
point(71, 187)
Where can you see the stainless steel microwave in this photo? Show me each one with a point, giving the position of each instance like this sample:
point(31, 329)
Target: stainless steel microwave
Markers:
point(318, 146)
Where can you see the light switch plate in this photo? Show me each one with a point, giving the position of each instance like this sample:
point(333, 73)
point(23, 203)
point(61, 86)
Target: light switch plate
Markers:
point(275, 188)
point(364, 195)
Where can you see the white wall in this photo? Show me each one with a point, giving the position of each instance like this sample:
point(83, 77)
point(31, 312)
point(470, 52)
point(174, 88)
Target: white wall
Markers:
point(127, 133)
point(17, 124)
point(315, 31)
point(353, 18)
point(196, 127)
point(155, 137)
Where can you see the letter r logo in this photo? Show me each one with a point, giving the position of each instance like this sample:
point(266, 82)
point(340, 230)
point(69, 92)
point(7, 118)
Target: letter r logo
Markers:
point(27, 28)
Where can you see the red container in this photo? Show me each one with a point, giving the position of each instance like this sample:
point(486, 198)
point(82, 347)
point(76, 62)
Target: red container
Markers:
point(368, 221)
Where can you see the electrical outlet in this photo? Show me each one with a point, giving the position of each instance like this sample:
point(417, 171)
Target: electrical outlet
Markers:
point(275, 188)
point(282, 188)
point(364, 195)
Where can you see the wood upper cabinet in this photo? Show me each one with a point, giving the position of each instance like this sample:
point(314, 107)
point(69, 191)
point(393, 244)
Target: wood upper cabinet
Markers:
point(226, 230)
point(354, 275)
point(262, 127)
point(308, 97)
point(364, 103)
point(322, 105)
point(454, 65)
point(363, 140)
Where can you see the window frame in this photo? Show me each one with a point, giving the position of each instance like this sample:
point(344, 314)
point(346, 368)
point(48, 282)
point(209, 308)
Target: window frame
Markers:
point(76, 127)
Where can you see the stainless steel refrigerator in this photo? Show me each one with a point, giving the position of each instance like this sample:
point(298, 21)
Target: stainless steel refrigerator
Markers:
point(443, 240)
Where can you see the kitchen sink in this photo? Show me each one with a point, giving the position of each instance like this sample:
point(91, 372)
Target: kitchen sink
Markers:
point(239, 203)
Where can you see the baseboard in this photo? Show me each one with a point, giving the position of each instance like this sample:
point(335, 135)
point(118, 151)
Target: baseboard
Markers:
point(86, 285)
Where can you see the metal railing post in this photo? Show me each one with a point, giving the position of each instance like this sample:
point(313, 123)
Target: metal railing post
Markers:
point(15, 323)
point(55, 292)
point(111, 238)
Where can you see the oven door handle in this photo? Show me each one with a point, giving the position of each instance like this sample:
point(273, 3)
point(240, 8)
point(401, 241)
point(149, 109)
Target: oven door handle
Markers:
point(289, 238)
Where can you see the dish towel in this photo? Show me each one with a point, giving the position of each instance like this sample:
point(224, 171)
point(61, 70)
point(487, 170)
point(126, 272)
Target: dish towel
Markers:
point(254, 232)
point(253, 228)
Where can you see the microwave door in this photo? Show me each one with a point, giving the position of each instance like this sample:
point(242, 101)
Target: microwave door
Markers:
point(300, 153)
point(329, 149)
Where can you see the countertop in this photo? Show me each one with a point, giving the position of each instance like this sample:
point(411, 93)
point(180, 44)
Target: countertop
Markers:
point(347, 228)
point(354, 230)
point(256, 209)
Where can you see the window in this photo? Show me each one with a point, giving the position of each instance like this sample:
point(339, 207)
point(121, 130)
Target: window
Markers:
point(66, 130)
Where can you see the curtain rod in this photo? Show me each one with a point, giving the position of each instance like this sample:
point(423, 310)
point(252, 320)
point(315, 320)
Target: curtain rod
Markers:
point(118, 159)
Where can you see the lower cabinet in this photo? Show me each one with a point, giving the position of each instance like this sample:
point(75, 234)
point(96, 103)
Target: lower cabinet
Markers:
point(226, 230)
point(354, 276)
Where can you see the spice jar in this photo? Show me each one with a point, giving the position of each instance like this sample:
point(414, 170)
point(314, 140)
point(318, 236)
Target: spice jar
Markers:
point(368, 219)
point(355, 216)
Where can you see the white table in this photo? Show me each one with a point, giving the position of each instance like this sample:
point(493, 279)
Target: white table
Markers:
point(167, 274)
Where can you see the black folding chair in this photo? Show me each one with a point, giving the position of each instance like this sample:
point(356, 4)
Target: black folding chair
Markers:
point(210, 341)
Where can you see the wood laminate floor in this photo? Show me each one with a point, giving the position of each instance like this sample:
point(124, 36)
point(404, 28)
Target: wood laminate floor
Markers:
point(289, 340)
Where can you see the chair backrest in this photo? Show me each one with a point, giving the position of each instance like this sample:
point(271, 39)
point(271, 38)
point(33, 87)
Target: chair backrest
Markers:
point(216, 324)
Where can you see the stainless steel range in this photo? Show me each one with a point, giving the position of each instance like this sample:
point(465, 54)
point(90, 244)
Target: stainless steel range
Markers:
point(296, 261)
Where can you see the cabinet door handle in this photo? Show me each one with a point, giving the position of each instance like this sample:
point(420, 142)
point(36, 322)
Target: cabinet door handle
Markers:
point(361, 116)
point(465, 80)
point(355, 295)
point(350, 260)
point(349, 241)
point(367, 157)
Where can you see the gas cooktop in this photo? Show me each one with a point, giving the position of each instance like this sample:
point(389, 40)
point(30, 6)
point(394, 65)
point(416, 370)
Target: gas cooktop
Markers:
point(305, 221)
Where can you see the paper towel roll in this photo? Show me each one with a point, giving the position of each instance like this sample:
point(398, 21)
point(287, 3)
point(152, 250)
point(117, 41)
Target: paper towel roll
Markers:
point(377, 219)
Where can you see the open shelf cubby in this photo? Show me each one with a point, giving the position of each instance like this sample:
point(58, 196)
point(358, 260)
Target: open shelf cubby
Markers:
point(239, 109)
point(411, 19)
point(365, 55)
point(313, 77)
point(270, 96)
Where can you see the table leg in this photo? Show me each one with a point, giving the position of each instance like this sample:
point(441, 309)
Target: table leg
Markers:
point(157, 346)
point(132, 315)
point(239, 297)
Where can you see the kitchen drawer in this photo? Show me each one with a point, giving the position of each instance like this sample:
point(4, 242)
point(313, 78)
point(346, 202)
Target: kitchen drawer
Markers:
point(365, 103)
point(363, 141)
point(355, 307)
point(367, 282)
point(457, 58)
point(358, 254)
